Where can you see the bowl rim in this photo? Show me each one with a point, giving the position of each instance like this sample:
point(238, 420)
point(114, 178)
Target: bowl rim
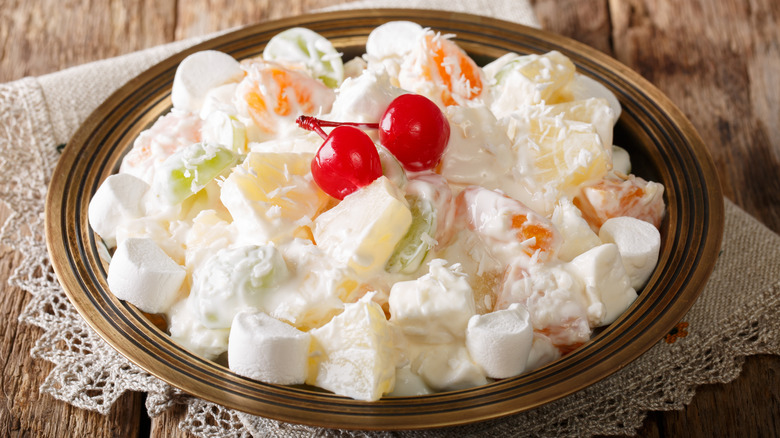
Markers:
point(73, 248)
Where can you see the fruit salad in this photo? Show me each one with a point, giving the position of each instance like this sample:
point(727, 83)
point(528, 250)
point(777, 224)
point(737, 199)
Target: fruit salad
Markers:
point(397, 224)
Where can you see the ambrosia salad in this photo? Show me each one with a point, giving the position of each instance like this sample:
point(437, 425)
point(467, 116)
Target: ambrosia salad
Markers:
point(403, 223)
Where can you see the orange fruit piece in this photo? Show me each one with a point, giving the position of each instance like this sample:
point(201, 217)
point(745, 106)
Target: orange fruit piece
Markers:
point(272, 93)
point(506, 225)
point(449, 67)
point(615, 197)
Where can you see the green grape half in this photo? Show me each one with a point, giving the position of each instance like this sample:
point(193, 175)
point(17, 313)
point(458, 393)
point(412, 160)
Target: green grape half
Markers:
point(188, 170)
point(411, 250)
point(304, 46)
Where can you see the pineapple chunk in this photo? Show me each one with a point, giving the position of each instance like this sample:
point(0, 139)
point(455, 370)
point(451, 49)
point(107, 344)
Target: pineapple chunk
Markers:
point(363, 230)
point(594, 111)
point(562, 154)
point(353, 354)
point(529, 80)
point(272, 194)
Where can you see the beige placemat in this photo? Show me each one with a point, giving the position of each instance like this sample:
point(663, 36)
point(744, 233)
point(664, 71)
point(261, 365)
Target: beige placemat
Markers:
point(737, 315)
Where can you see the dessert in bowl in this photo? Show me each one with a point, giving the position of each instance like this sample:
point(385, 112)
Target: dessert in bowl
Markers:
point(433, 215)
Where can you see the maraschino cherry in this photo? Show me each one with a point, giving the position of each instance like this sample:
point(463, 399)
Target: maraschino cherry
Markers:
point(415, 131)
point(346, 161)
point(412, 128)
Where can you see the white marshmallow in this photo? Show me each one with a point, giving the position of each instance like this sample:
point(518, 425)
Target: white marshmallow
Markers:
point(621, 161)
point(408, 384)
point(446, 367)
point(501, 341)
point(638, 242)
point(142, 274)
point(542, 352)
point(198, 74)
point(392, 39)
point(116, 200)
point(263, 348)
point(607, 286)
point(365, 98)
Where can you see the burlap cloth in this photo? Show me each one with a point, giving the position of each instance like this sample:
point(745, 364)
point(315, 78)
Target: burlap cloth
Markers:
point(738, 314)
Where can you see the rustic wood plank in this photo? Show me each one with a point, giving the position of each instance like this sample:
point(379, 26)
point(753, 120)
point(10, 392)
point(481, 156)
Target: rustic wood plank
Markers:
point(727, 409)
point(587, 21)
point(191, 21)
point(167, 424)
point(24, 411)
point(42, 36)
point(718, 61)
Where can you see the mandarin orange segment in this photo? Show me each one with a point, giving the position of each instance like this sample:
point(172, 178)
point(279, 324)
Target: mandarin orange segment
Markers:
point(273, 93)
point(543, 236)
point(555, 334)
point(258, 111)
point(288, 84)
point(614, 197)
point(507, 225)
point(462, 73)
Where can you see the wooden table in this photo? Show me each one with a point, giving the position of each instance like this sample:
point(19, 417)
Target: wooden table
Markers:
point(717, 60)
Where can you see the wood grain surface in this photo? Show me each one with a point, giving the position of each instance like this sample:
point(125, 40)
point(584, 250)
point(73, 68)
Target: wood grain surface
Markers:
point(717, 60)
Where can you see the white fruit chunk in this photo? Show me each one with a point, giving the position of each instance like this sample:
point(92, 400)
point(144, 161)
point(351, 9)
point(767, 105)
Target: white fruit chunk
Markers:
point(578, 237)
point(434, 308)
point(363, 230)
point(353, 354)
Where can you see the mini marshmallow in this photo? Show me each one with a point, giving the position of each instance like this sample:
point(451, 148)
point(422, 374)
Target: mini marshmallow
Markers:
point(621, 161)
point(500, 342)
point(198, 74)
point(264, 348)
point(446, 367)
point(408, 384)
point(395, 38)
point(638, 242)
point(607, 286)
point(143, 274)
point(118, 199)
point(542, 352)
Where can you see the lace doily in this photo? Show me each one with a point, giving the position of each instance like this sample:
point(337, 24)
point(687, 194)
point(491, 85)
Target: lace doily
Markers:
point(708, 347)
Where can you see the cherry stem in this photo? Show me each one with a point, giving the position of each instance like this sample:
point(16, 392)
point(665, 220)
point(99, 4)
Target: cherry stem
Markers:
point(310, 123)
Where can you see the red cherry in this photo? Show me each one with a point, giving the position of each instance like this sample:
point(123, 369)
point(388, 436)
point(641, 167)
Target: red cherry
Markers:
point(415, 131)
point(346, 161)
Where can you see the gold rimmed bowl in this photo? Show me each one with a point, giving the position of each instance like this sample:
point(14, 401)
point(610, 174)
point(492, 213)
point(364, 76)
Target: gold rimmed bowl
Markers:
point(663, 145)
